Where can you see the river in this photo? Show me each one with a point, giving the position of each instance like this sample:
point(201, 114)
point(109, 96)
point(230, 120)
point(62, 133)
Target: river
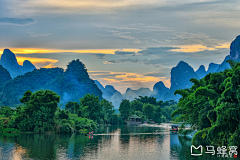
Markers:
point(113, 142)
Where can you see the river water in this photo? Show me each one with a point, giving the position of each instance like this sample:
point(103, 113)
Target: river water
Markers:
point(113, 143)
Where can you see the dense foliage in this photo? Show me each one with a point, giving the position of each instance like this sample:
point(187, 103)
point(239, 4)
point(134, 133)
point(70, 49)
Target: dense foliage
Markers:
point(212, 106)
point(148, 108)
point(39, 113)
point(71, 85)
point(5, 76)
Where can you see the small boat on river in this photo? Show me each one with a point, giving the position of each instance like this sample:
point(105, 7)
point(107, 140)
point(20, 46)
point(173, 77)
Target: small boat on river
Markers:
point(174, 128)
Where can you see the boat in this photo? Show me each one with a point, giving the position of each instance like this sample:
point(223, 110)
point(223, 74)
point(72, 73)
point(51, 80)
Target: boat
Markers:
point(174, 128)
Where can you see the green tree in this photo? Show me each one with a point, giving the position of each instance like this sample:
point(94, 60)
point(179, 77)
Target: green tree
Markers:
point(72, 107)
point(212, 106)
point(39, 111)
point(107, 109)
point(125, 108)
point(147, 99)
point(26, 97)
point(158, 114)
point(136, 105)
point(94, 107)
point(149, 110)
point(6, 111)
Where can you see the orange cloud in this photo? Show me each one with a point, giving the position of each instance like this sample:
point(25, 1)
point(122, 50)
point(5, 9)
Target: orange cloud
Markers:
point(42, 50)
point(199, 47)
point(123, 80)
point(38, 62)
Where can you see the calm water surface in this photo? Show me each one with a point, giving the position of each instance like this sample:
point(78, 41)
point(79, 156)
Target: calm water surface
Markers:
point(114, 142)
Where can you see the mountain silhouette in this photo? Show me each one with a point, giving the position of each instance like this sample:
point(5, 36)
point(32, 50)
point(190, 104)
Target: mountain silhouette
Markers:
point(9, 62)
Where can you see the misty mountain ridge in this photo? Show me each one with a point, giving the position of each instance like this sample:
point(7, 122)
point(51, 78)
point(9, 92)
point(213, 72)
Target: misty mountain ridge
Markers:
point(9, 62)
point(71, 85)
point(180, 76)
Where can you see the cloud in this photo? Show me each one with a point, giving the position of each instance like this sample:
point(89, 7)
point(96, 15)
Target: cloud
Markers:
point(99, 55)
point(32, 34)
point(38, 62)
point(122, 61)
point(79, 6)
point(157, 50)
point(123, 53)
point(160, 73)
point(124, 80)
point(17, 21)
point(96, 52)
point(124, 35)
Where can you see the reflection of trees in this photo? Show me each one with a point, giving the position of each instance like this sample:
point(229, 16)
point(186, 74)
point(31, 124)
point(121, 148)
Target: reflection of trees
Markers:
point(182, 150)
point(85, 146)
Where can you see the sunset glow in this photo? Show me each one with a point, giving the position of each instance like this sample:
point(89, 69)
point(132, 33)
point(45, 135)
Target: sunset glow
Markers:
point(42, 50)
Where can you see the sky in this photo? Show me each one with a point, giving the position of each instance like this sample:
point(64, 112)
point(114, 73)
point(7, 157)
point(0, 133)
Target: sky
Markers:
point(124, 43)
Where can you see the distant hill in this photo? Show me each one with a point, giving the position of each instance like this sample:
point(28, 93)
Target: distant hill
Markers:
point(9, 62)
point(201, 72)
point(132, 94)
point(110, 94)
point(71, 85)
point(4, 76)
point(159, 90)
point(180, 76)
point(212, 68)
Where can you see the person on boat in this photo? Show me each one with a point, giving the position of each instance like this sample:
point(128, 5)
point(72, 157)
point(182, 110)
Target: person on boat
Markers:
point(175, 128)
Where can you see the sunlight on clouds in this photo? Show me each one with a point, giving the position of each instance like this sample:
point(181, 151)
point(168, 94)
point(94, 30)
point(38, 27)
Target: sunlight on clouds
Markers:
point(224, 45)
point(109, 80)
point(38, 62)
point(199, 47)
point(80, 6)
point(123, 80)
point(39, 50)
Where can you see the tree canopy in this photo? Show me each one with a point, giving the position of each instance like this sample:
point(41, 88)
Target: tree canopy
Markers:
point(212, 106)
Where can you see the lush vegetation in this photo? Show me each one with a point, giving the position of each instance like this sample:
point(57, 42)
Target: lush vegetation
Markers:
point(148, 108)
point(71, 84)
point(212, 107)
point(40, 113)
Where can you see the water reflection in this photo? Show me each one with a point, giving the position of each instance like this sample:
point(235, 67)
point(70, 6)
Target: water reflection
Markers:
point(124, 142)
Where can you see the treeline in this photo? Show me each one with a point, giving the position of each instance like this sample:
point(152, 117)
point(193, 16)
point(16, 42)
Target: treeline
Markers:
point(212, 106)
point(148, 108)
point(40, 113)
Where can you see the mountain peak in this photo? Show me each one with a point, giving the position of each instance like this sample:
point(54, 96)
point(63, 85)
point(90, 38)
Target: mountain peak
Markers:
point(212, 68)
point(8, 56)
point(110, 89)
point(201, 72)
point(159, 89)
point(9, 62)
point(28, 66)
point(235, 48)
